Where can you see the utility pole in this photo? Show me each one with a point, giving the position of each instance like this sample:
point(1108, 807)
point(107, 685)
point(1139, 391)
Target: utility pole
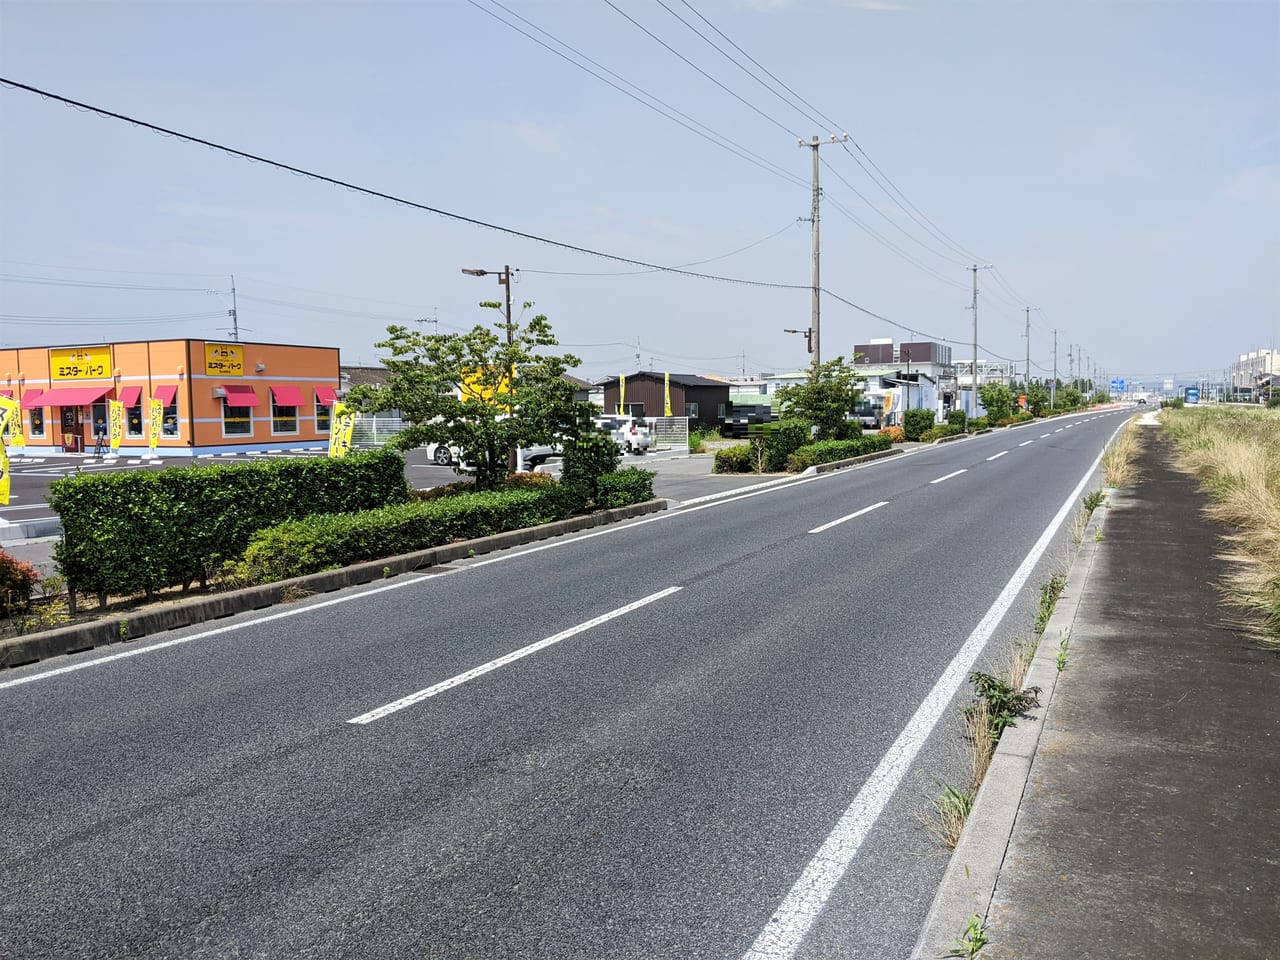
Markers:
point(1053, 387)
point(235, 314)
point(1027, 378)
point(814, 321)
point(973, 411)
point(504, 280)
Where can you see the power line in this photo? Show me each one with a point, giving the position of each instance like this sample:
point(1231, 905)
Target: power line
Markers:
point(99, 284)
point(890, 245)
point(636, 273)
point(712, 136)
point(382, 195)
point(127, 319)
point(748, 104)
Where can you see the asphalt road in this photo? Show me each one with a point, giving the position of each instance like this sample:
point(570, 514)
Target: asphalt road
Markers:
point(718, 744)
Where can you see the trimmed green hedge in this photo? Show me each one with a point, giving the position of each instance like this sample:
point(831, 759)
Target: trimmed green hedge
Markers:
point(140, 531)
point(940, 431)
point(624, 487)
point(957, 417)
point(322, 542)
point(976, 423)
point(828, 451)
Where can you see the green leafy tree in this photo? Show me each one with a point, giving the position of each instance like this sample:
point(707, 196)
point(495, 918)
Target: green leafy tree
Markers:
point(998, 401)
point(485, 392)
point(826, 399)
point(1037, 398)
point(1070, 398)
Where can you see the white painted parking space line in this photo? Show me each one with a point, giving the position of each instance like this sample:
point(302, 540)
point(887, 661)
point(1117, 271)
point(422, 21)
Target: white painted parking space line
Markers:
point(856, 513)
point(997, 456)
point(955, 473)
point(1025, 442)
point(502, 661)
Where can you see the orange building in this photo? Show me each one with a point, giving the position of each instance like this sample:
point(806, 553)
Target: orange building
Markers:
point(218, 397)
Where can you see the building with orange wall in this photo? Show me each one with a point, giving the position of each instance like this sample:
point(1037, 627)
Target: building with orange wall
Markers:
point(217, 396)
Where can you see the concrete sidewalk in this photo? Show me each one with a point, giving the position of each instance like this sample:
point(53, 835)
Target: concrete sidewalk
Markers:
point(1149, 826)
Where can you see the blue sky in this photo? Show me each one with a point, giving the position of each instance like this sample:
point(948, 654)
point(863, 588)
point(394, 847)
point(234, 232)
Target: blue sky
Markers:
point(1118, 162)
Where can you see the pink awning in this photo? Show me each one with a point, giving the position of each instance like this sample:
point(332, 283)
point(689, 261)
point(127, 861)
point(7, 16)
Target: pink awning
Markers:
point(165, 394)
point(130, 396)
point(286, 395)
point(73, 396)
point(6, 393)
point(240, 395)
point(31, 399)
point(327, 396)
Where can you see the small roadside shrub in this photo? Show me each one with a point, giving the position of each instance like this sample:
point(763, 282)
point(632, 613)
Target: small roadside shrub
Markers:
point(734, 460)
point(957, 417)
point(624, 487)
point(976, 424)
point(940, 431)
point(1004, 704)
point(17, 579)
point(586, 460)
point(894, 434)
point(916, 422)
point(527, 481)
point(785, 438)
point(1006, 422)
point(444, 490)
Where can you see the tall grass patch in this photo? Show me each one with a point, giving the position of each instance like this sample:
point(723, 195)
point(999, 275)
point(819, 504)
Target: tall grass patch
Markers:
point(1235, 452)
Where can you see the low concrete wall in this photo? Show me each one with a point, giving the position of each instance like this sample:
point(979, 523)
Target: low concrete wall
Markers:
point(130, 625)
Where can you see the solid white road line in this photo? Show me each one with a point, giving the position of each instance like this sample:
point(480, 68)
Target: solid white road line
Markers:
point(98, 661)
point(955, 473)
point(511, 657)
point(856, 513)
point(785, 932)
point(1025, 442)
point(998, 455)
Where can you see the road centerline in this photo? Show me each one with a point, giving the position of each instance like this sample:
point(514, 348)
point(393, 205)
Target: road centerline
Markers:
point(856, 513)
point(512, 657)
point(954, 473)
point(1025, 442)
point(997, 456)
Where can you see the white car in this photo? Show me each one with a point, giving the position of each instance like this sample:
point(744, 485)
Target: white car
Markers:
point(443, 455)
point(628, 433)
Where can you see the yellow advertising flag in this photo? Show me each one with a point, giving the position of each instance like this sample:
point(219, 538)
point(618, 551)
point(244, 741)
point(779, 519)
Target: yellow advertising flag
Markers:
point(340, 430)
point(666, 394)
point(11, 422)
point(622, 393)
point(156, 409)
point(4, 474)
point(888, 403)
point(116, 409)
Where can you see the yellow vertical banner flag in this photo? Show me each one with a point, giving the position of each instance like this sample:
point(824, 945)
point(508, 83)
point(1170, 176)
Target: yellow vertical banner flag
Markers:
point(666, 394)
point(341, 429)
point(622, 393)
point(11, 422)
point(156, 411)
point(116, 417)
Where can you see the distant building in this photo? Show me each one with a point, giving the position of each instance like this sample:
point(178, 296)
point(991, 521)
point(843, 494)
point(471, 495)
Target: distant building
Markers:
point(215, 396)
point(1250, 372)
point(703, 400)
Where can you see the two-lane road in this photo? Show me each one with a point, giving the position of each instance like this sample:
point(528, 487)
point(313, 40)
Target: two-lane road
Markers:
point(706, 733)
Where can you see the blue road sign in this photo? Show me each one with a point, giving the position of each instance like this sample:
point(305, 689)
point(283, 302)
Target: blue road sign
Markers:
point(1191, 394)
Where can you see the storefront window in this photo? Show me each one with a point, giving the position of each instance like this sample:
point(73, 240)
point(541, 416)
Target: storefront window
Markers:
point(236, 421)
point(37, 421)
point(133, 420)
point(283, 419)
point(170, 420)
point(322, 418)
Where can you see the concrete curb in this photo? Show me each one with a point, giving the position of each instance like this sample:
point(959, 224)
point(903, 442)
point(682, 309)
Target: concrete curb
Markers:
point(20, 530)
point(970, 879)
point(122, 627)
point(837, 464)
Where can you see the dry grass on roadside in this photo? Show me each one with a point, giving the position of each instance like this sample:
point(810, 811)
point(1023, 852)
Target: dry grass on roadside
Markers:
point(1236, 454)
point(1118, 469)
point(977, 738)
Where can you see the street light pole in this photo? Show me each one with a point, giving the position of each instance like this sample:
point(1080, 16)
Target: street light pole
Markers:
point(504, 279)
